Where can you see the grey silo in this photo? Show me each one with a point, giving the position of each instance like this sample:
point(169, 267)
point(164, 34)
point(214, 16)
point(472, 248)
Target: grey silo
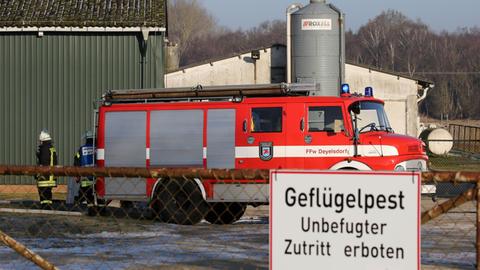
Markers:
point(318, 47)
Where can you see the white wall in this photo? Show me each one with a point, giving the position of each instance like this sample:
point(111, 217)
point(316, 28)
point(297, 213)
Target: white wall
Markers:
point(399, 94)
point(230, 71)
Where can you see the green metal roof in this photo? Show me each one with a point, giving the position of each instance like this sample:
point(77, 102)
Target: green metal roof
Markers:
point(82, 13)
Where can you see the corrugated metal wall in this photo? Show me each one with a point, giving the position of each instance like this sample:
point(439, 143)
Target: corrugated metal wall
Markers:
point(52, 82)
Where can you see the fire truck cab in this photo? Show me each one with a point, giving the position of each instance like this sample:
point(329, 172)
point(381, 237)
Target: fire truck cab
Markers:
point(256, 127)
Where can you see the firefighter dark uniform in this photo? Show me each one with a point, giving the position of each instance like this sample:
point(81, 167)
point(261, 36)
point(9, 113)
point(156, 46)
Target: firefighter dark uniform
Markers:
point(85, 158)
point(46, 156)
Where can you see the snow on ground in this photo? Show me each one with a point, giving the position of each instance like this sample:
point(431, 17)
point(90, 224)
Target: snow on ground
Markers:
point(243, 245)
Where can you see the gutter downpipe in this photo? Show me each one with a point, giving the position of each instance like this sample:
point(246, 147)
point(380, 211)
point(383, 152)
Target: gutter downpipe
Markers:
point(143, 53)
point(342, 47)
point(290, 9)
point(341, 42)
point(425, 91)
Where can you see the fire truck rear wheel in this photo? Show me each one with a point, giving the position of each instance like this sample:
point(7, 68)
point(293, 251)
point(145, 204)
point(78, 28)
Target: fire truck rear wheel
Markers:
point(225, 213)
point(179, 201)
point(126, 204)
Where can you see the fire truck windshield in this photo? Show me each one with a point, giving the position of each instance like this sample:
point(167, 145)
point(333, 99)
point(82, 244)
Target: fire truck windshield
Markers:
point(370, 116)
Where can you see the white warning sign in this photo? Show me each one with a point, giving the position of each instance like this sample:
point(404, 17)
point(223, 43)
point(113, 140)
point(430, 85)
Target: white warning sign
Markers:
point(344, 220)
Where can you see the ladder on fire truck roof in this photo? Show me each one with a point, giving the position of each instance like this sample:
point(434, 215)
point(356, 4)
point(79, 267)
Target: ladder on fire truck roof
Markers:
point(208, 92)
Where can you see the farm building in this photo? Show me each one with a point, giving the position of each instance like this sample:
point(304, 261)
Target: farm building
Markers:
point(400, 93)
point(57, 58)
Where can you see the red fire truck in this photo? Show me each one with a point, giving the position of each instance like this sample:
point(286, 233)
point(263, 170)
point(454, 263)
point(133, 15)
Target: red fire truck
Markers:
point(261, 126)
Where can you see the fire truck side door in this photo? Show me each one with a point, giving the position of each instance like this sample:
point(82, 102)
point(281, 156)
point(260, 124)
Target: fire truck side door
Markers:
point(262, 143)
point(326, 142)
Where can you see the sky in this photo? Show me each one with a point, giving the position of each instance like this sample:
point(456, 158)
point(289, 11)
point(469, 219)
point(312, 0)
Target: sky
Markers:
point(438, 14)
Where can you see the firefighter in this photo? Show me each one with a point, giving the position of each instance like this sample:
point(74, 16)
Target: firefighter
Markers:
point(46, 156)
point(85, 158)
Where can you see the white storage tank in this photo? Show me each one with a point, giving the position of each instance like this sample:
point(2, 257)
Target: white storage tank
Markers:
point(318, 47)
point(438, 140)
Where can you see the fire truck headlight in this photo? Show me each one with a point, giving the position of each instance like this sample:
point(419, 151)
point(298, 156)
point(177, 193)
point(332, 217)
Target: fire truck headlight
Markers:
point(414, 165)
point(420, 166)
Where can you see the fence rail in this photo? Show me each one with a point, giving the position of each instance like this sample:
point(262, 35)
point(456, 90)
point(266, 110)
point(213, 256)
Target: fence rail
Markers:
point(218, 174)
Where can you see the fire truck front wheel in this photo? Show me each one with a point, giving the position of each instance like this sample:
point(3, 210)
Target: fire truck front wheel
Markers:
point(179, 201)
point(225, 213)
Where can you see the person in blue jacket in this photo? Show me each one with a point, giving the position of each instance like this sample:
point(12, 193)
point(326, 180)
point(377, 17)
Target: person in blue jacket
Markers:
point(85, 157)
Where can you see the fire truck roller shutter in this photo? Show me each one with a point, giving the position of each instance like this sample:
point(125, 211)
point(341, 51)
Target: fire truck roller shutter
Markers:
point(221, 154)
point(125, 146)
point(221, 139)
point(176, 138)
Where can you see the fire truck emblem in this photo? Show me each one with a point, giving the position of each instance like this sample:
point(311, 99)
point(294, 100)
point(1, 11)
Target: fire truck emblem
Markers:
point(266, 151)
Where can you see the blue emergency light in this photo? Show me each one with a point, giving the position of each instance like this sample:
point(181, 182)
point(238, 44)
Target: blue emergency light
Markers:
point(369, 91)
point(345, 88)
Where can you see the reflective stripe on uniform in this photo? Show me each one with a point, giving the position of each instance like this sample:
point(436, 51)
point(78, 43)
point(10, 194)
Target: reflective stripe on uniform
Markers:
point(52, 155)
point(46, 183)
point(85, 182)
point(51, 182)
point(46, 202)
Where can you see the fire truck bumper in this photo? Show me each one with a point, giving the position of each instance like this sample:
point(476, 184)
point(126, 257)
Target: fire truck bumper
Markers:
point(247, 193)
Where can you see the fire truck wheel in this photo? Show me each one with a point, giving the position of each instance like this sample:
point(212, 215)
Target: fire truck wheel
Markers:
point(126, 204)
point(179, 201)
point(225, 213)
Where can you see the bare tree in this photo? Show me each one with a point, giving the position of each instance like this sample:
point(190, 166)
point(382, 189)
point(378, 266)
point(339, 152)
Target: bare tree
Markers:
point(225, 42)
point(372, 38)
point(188, 20)
point(451, 60)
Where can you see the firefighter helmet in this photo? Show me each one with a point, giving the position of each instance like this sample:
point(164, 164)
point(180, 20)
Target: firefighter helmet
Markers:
point(44, 136)
point(88, 135)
